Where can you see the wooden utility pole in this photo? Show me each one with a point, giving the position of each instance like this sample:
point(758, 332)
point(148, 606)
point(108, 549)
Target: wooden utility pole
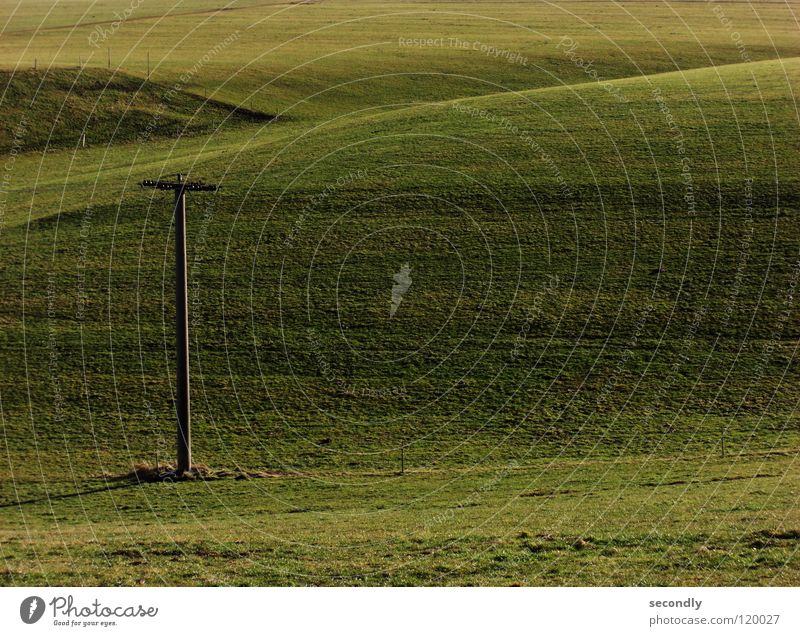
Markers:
point(183, 404)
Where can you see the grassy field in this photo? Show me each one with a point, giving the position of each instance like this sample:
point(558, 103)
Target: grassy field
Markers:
point(591, 378)
point(627, 522)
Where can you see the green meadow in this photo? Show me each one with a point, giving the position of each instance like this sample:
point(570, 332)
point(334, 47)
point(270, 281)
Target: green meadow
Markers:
point(588, 379)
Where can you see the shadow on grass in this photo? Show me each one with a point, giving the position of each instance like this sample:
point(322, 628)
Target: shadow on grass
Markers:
point(141, 474)
point(49, 498)
point(146, 473)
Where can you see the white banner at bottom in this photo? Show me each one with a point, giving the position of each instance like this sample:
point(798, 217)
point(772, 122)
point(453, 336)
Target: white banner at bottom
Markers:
point(399, 611)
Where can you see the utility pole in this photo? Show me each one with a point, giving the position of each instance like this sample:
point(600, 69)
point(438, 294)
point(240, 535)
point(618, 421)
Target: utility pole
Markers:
point(184, 412)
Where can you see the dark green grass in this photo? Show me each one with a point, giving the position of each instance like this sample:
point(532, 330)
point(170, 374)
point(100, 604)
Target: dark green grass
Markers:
point(606, 319)
point(585, 300)
point(55, 109)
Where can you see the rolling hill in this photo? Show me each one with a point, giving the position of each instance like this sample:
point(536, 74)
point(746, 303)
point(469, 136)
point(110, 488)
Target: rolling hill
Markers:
point(594, 271)
point(543, 254)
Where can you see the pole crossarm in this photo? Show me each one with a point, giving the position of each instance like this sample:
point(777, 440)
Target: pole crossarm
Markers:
point(193, 186)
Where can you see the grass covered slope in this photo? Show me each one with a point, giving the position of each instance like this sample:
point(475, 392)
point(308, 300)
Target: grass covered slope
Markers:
point(594, 271)
point(57, 107)
point(625, 522)
point(557, 288)
point(321, 59)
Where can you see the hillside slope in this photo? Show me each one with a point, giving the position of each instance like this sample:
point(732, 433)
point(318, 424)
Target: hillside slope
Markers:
point(54, 109)
point(592, 272)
